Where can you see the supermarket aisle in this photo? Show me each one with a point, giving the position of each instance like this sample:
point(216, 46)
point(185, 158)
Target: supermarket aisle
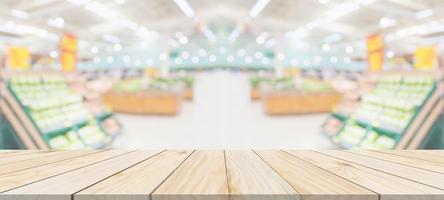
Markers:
point(222, 116)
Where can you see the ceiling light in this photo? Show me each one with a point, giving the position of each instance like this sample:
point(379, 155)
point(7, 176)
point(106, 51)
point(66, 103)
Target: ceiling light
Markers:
point(347, 60)
point(149, 62)
point(324, 1)
point(265, 60)
point(258, 7)
point(260, 40)
point(183, 40)
point(19, 14)
point(386, 22)
point(185, 7)
point(111, 38)
point(390, 54)
point(53, 54)
point(349, 50)
point(163, 56)
point(94, 49)
point(57, 22)
point(294, 62)
point(280, 56)
point(326, 47)
point(424, 14)
point(334, 59)
point(96, 60)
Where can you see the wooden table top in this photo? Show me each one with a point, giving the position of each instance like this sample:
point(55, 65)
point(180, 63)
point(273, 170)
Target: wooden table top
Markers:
point(221, 175)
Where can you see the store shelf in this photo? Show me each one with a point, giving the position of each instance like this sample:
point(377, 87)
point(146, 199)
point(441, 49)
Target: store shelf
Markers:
point(372, 124)
point(219, 174)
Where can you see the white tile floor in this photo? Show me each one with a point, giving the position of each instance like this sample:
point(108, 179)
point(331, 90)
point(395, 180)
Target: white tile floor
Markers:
point(222, 116)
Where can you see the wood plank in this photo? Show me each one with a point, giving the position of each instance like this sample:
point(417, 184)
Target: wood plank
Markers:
point(12, 153)
point(421, 176)
point(14, 180)
point(62, 187)
point(17, 163)
point(312, 182)
point(423, 164)
point(388, 186)
point(140, 180)
point(419, 154)
point(250, 178)
point(201, 177)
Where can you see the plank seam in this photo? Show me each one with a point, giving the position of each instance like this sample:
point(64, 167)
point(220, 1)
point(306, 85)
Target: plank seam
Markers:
point(60, 174)
point(283, 178)
point(397, 162)
point(143, 160)
point(384, 171)
point(285, 151)
point(64, 159)
point(226, 174)
point(169, 175)
point(407, 156)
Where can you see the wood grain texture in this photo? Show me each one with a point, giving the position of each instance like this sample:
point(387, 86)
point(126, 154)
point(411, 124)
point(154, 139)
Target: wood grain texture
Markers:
point(139, 181)
point(14, 180)
point(17, 163)
point(250, 178)
point(63, 186)
point(422, 164)
point(12, 153)
point(428, 155)
point(201, 177)
point(311, 182)
point(421, 176)
point(388, 186)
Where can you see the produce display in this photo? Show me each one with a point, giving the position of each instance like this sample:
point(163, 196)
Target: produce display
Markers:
point(58, 113)
point(385, 113)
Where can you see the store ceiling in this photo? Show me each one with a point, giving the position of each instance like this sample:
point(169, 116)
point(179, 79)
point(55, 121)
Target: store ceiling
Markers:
point(127, 21)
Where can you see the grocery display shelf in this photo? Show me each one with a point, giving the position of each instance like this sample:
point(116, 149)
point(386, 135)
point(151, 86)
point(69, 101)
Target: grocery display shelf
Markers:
point(402, 136)
point(222, 174)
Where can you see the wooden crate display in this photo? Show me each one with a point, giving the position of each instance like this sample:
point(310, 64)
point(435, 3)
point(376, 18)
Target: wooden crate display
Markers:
point(281, 103)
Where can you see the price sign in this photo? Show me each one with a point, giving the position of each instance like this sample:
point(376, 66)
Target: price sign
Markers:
point(375, 46)
point(425, 58)
point(19, 58)
point(68, 47)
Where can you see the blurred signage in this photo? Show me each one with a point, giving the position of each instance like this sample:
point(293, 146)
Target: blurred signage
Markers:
point(19, 58)
point(68, 48)
point(425, 58)
point(375, 49)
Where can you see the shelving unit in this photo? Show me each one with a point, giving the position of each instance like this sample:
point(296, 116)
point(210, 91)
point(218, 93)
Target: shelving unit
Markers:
point(397, 114)
point(46, 114)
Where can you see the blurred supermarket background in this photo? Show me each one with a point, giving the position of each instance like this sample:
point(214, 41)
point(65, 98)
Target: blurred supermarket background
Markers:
point(240, 74)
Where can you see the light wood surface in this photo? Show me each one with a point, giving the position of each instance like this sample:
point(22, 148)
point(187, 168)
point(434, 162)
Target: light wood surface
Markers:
point(251, 178)
point(312, 182)
point(433, 179)
point(221, 175)
point(389, 187)
point(201, 176)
